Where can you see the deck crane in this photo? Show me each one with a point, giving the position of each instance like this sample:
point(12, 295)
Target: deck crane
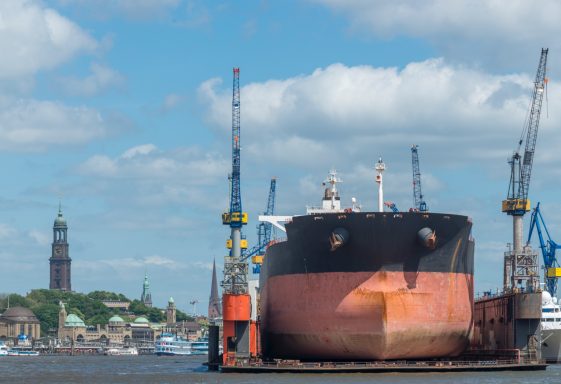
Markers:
point(264, 232)
point(521, 264)
point(417, 194)
point(552, 268)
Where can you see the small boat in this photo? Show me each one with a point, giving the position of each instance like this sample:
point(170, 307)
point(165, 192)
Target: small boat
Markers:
point(22, 352)
point(124, 351)
point(3, 350)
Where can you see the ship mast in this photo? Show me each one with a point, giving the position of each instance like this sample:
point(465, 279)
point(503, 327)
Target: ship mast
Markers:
point(380, 167)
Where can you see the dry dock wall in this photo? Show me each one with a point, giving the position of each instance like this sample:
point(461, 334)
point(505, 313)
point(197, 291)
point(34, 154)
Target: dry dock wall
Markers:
point(508, 322)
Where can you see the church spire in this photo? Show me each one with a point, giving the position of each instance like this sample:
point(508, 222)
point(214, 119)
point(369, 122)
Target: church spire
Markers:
point(214, 305)
point(146, 297)
point(60, 261)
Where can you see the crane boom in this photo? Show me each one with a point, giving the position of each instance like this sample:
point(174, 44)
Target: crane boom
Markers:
point(419, 203)
point(552, 271)
point(521, 262)
point(517, 203)
point(264, 231)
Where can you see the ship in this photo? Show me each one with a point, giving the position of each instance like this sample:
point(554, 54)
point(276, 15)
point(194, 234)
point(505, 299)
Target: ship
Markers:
point(551, 328)
point(347, 285)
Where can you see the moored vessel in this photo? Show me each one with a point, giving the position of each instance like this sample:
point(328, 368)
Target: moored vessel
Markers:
point(550, 329)
point(172, 345)
point(121, 351)
point(352, 285)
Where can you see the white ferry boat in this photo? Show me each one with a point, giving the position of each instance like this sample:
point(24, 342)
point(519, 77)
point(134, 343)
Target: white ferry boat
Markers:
point(172, 345)
point(551, 328)
point(124, 351)
point(22, 352)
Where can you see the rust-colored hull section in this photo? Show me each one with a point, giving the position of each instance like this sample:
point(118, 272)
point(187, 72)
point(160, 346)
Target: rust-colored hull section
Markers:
point(382, 292)
point(367, 316)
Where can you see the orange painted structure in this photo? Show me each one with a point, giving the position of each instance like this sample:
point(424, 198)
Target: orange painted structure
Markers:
point(239, 332)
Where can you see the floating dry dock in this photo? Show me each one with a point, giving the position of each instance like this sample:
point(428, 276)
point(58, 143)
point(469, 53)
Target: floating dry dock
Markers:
point(380, 366)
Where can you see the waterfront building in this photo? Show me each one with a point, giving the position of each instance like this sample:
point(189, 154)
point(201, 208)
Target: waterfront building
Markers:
point(146, 297)
point(72, 328)
point(214, 304)
point(60, 261)
point(171, 312)
point(122, 306)
point(16, 321)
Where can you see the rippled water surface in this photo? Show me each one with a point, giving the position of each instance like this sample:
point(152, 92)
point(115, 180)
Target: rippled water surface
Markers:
point(154, 369)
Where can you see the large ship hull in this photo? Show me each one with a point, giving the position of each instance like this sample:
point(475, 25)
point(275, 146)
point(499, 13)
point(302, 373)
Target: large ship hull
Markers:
point(382, 295)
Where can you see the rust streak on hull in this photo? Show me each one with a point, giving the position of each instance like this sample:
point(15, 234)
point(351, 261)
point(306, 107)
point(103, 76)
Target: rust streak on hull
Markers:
point(366, 315)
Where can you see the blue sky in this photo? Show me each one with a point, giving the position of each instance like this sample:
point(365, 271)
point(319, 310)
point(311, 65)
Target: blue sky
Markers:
point(122, 108)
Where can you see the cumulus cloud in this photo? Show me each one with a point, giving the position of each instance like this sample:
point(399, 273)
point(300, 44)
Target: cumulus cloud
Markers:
point(35, 38)
point(487, 32)
point(146, 176)
point(147, 162)
point(33, 125)
point(39, 237)
point(341, 112)
point(101, 79)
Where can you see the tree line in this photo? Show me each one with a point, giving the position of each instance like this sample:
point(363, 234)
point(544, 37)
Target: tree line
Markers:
point(44, 303)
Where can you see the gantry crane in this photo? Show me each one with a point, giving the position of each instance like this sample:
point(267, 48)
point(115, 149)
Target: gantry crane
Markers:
point(521, 264)
point(264, 232)
point(235, 270)
point(419, 202)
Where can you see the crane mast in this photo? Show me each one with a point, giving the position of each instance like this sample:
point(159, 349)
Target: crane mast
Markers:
point(419, 203)
point(520, 261)
point(235, 270)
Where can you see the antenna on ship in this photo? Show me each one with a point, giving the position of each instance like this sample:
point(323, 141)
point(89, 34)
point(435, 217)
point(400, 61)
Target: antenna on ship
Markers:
point(380, 168)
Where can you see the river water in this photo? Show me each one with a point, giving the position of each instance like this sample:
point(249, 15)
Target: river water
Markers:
point(189, 369)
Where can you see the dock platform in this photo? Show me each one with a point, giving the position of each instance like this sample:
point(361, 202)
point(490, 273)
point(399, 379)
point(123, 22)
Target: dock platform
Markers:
point(292, 366)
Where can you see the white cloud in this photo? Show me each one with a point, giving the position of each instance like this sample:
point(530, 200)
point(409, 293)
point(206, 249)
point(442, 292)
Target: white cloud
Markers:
point(31, 125)
point(39, 237)
point(7, 231)
point(144, 149)
point(147, 162)
point(343, 112)
point(34, 38)
point(488, 33)
point(102, 78)
point(171, 101)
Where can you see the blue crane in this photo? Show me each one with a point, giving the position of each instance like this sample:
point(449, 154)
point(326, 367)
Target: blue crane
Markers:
point(264, 232)
point(548, 247)
point(417, 193)
point(391, 205)
point(235, 270)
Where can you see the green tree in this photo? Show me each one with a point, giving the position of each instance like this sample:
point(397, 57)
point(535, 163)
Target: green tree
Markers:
point(47, 315)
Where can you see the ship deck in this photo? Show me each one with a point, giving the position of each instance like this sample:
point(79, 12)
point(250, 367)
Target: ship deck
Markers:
point(295, 366)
